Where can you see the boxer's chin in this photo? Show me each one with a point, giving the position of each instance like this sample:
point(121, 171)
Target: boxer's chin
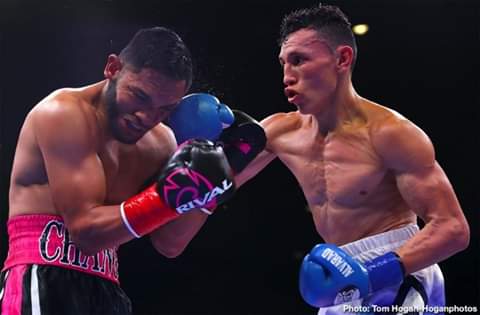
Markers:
point(303, 108)
point(122, 133)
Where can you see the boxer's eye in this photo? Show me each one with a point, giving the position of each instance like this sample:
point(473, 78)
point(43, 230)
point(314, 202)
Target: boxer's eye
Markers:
point(167, 108)
point(139, 94)
point(297, 60)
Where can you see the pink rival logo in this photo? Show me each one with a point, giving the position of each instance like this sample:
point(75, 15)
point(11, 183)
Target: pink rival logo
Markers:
point(189, 184)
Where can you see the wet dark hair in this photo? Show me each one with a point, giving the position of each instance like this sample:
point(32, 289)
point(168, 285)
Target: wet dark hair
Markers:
point(328, 21)
point(161, 49)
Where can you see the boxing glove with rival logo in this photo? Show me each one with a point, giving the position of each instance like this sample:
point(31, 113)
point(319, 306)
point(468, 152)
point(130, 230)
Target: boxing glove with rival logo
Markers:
point(197, 175)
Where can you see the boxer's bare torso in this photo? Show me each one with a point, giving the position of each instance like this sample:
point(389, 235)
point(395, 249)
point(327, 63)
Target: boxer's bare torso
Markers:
point(125, 167)
point(364, 169)
point(351, 193)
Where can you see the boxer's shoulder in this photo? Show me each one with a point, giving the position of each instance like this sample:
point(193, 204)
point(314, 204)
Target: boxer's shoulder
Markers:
point(162, 132)
point(63, 117)
point(378, 115)
point(64, 104)
point(398, 140)
point(282, 123)
point(158, 143)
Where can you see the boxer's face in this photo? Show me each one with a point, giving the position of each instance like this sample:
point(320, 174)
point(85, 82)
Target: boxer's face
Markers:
point(309, 71)
point(138, 100)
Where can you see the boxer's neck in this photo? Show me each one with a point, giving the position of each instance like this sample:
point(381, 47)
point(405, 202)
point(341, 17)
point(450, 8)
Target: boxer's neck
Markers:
point(344, 108)
point(99, 102)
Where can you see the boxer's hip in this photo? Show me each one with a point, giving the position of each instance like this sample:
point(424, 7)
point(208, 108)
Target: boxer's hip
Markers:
point(44, 240)
point(376, 245)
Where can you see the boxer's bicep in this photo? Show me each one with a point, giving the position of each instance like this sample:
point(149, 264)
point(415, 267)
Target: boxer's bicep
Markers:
point(409, 154)
point(420, 180)
point(74, 170)
point(429, 193)
point(76, 186)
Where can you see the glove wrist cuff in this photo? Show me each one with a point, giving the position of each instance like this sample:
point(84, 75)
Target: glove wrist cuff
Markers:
point(146, 211)
point(385, 271)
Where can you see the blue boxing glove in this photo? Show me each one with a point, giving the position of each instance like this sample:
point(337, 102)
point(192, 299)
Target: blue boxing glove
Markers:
point(329, 276)
point(199, 116)
point(202, 116)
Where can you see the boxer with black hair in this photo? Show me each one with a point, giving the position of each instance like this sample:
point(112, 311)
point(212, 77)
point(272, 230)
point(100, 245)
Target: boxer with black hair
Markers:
point(367, 173)
point(82, 156)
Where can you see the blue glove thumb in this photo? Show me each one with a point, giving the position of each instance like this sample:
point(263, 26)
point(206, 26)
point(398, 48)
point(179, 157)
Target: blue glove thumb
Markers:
point(200, 116)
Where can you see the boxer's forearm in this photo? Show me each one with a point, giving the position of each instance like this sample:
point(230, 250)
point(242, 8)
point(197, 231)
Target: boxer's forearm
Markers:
point(172, 238)
point(438, 240)
point(97, 228)
point(103, 228)
point(257, 165)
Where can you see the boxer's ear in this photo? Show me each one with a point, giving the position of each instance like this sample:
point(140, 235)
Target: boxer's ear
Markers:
point(113, 66)
point(345, 56)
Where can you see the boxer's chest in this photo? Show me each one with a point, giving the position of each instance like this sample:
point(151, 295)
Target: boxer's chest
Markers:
point(339, 169)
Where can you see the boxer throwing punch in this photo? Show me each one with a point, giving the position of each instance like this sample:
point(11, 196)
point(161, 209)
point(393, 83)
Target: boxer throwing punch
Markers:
point(366, 171)
point(82, 157)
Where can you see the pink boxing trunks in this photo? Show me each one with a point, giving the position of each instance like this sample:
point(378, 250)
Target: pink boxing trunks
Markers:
point(44, 240)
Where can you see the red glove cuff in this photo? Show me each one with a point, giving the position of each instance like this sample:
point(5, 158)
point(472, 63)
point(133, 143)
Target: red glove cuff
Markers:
point(146, 211)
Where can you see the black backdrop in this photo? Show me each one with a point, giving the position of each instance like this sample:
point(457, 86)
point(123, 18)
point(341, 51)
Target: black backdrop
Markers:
point(420, 58)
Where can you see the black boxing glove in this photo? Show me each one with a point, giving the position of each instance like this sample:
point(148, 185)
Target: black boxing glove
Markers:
point(197, 175)
point(242, 141)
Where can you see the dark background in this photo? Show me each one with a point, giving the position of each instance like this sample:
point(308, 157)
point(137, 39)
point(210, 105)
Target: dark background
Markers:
point(420, 58)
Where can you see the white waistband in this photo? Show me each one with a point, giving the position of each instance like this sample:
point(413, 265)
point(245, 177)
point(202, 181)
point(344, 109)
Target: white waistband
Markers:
point(375, 245)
